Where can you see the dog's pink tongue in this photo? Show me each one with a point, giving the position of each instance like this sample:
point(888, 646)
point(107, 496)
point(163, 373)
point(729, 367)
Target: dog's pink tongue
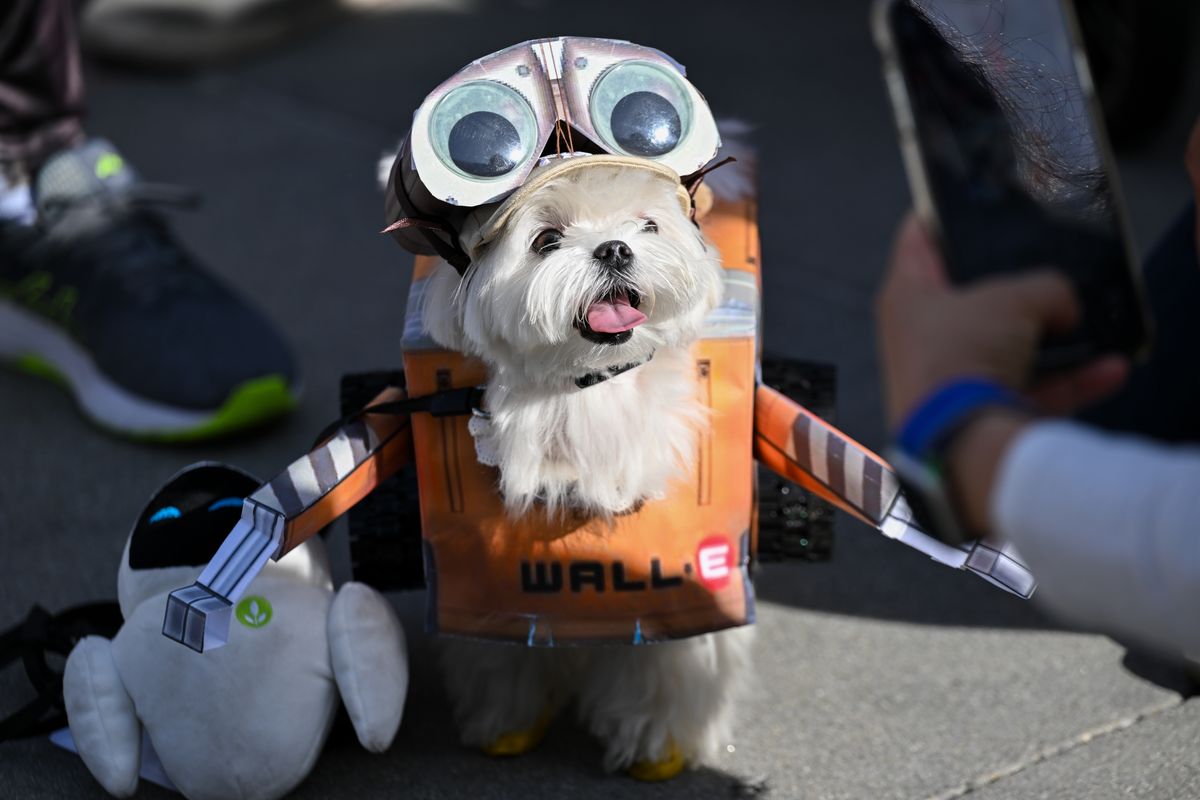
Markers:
point(614, 316)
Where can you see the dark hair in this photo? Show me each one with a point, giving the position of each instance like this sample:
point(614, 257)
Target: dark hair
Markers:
point(1039, 128)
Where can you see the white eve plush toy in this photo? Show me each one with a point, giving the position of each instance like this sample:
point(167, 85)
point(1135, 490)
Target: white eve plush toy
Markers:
point(248, 720)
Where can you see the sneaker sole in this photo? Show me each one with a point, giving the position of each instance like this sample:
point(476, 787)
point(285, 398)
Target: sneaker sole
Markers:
point(171, 38)
point(38, 348)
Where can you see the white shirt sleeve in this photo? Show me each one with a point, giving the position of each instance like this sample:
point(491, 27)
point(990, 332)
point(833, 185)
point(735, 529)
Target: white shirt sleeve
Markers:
point(1108, 524)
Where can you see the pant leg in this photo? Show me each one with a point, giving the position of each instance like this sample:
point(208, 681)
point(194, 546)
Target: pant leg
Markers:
point(1162, 397)
point(41, 83)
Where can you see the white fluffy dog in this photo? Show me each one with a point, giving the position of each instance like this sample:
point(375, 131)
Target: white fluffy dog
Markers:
point(599, 270)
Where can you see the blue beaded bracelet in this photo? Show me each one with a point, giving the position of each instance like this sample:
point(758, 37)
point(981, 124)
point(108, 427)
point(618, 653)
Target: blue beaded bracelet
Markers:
point(948, 407)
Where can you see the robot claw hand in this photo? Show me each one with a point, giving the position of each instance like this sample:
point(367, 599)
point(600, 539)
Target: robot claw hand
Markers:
point(286, 511)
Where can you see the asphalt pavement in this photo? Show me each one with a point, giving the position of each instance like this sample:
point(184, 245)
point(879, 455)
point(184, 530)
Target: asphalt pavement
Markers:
point(878, 673)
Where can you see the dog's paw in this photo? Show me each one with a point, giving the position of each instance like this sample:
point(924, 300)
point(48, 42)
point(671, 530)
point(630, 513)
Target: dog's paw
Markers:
point(667, 766)
point(518, 743)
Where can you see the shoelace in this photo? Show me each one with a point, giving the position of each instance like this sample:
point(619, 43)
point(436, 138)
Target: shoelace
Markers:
point(126, 241)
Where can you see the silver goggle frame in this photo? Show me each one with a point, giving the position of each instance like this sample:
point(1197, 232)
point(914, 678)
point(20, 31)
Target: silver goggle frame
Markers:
point(476, 137)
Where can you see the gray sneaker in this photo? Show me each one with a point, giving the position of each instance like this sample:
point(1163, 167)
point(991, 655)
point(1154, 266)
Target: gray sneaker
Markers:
point(186, 33)
point(99, 295)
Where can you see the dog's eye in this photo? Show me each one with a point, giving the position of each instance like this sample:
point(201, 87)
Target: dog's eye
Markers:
point(546, 241)
point(649, 226)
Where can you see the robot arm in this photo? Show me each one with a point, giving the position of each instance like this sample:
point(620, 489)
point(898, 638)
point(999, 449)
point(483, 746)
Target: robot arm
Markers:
point(284, 512)
point(808, 451)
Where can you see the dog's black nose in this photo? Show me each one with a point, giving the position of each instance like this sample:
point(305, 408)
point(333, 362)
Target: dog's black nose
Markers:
point(613, 254)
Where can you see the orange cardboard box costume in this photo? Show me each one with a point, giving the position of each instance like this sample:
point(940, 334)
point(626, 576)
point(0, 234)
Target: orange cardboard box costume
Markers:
point(675, 567)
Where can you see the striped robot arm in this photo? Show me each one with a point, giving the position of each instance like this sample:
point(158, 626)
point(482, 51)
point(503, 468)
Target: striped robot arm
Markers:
point(812, 453)
point(286, 511)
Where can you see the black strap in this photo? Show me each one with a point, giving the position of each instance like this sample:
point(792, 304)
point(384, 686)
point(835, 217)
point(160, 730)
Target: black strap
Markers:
point(592, 378)
point(446, 403)
point(39, 635)
point(692, 182)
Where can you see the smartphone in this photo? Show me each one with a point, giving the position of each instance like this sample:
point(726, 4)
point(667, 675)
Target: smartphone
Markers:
point(1008, 160)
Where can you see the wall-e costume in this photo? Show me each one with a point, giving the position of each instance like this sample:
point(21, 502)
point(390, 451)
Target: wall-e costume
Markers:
point(480, 145)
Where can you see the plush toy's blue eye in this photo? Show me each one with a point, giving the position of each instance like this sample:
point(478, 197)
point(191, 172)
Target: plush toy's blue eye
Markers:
point(176, 529)
point(225, 502)
point(166, 512)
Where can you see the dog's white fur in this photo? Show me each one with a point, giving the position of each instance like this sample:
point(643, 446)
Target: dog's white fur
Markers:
point(599, 450)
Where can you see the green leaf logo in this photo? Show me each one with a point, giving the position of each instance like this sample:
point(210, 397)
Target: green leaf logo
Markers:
point(254, 611)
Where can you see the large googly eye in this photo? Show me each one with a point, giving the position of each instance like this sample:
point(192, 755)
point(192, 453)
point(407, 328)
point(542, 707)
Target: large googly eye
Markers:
point(483, 130)
point(641, 109)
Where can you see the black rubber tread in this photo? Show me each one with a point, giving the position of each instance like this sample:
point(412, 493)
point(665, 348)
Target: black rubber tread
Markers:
point(792, 524)
point(385, 527)
point(385, 541)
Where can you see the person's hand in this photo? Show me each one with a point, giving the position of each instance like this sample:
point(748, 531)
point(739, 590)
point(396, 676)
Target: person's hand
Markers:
point(931, 332)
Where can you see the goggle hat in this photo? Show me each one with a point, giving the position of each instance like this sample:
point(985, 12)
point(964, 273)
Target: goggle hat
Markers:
point(488, 137)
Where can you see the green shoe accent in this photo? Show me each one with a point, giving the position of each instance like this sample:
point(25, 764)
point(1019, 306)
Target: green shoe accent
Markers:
point(108, 165)
point(39, 367)
point(252, 403)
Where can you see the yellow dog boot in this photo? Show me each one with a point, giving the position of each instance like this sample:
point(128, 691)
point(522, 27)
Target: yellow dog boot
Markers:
point(665, 768)
point(520, 742)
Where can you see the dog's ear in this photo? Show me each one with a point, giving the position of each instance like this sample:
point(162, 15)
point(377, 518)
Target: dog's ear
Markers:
point(441, 308)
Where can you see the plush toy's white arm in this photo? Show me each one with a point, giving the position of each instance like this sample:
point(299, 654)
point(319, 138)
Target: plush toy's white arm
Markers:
point(284, 512)
point(370, 663)
point(103, 722)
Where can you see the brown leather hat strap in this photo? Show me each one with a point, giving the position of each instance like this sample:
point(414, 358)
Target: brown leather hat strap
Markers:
point(451, 251)
point(692, 182)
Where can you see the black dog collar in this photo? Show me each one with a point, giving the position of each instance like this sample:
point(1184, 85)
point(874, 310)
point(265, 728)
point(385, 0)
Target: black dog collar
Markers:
point(592, 378)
